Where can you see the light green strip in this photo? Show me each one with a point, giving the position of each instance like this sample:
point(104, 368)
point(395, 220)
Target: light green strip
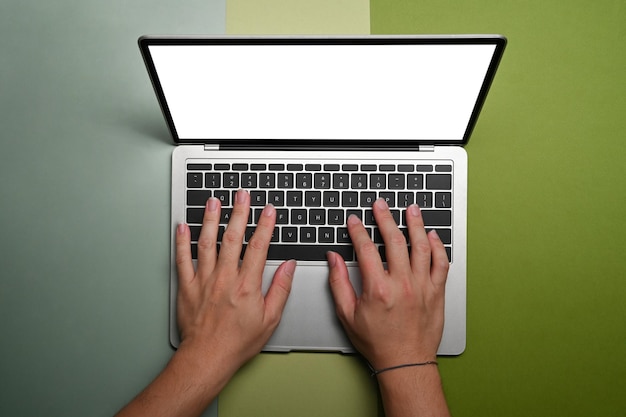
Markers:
point(282, 17)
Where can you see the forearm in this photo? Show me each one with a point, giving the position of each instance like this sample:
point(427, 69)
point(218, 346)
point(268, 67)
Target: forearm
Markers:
point(413, 392)
point(185, 387)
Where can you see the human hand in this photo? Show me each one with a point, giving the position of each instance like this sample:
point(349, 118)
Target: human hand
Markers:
point(398, 318)
point(221, 309)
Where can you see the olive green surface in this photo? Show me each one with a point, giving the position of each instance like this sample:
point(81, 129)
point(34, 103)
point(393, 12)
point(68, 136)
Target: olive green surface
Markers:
point(546, 218)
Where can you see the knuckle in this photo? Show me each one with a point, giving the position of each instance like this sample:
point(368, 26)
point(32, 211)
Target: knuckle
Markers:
point(397, 239)
point(231, 236)
point(257, 243)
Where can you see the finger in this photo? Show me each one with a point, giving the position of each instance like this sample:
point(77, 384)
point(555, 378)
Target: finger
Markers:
point(256, 251)
point(278, 292)
point(207, 241)
point(396, 249)
point(341, 288)
point(440, 263)
point(367, 254)
point(184, 264)
point(420, 245)
point(232, 240)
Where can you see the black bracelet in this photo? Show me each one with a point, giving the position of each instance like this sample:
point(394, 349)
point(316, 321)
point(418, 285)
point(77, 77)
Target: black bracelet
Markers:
point(406, 365)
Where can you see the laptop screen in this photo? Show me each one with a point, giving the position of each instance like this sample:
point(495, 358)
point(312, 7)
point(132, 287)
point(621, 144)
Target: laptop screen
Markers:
point(366, 89)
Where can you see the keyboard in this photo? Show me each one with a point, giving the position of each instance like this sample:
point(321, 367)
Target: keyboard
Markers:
point(313, 201)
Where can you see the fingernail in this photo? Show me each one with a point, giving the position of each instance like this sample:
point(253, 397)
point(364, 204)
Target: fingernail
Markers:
point(269, 210)
point(434, 234)
point(241, 196)
point(414, 210)
point(354, 219)
point(290, 267)
point(181, 228)
point(211, 204)
point(331, 257)
point(381, 203)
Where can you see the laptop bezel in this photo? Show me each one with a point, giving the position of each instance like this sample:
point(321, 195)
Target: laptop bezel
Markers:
point(145, 42)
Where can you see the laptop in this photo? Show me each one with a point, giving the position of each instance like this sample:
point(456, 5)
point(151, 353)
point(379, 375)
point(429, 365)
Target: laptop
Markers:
point(321, 127)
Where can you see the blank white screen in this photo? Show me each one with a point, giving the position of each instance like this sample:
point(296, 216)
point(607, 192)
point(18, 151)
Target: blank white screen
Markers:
point(399, 92)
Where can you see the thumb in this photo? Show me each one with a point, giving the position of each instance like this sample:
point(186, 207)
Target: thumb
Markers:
point(279, 290)
point(341, 287)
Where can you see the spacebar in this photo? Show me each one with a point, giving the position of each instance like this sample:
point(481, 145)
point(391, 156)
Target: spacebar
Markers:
point(308, 252)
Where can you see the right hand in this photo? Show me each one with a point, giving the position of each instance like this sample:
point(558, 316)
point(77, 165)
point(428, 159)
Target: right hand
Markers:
point(399, 316)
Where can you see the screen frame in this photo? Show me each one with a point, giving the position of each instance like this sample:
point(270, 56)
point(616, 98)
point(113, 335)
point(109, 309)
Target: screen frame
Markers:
point(146, 41)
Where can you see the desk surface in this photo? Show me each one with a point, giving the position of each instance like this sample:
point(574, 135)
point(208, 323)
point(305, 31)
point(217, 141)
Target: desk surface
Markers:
point(84, 198)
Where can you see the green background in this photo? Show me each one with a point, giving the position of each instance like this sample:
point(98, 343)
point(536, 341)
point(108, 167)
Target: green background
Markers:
point(84, 215)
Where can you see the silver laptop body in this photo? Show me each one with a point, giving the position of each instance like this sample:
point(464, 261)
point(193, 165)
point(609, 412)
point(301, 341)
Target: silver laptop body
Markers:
point(273, 114)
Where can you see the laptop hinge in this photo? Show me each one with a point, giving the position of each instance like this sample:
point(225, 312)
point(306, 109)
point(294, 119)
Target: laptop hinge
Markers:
point(427, 148)
point(211, 147)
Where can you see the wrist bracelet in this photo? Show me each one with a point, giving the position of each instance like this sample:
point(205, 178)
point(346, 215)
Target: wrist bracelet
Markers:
point(406, 365)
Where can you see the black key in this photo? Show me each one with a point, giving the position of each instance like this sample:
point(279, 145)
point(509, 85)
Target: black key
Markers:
point(308, 235)
point(322, 180)
point(406, 168)
point(285, 180)
point(298, 216)
point(331, 198)
point(213, 180)
point(313, 199)
point(277, 167)
point(378, 181)
point(282, 216)
point(240, 167)
point(378, 238)
point(387, 168)
point(444, 234)
point(350, 199)
point(258, 167)
point(197, 197)
point(267, 180)
point(350, 167)
point(195, 215)
point(369, 218)
point(443, 168)
point(249, 180)
point(294, 167)
point(223, 196)
point(415, 181)
point(258, 198)
point(304, 180)
point(342, 235)
point(289, 234)
point(195, 232)
point(449, 253)
point(277, 198)
point(405, 199)
point(336, 217)
point(313, 167)
point(424, 200)
point(368, 167)
point(317, 216)
point(221, 167)
point(203, 167)
point(326, 235)
point(249, 233)
point(424, 168)
point(442, 200)
point(358, 213)
point(367, 198)
point(225, 215)
point(359, 181)
point(341, 181)
point(194, 180)
point(396, 216)
point(231, 180)
point(396, 181)
point(389, 197)
point(331, 167)
point(439, 182)
point(308, 252)
point(294, 198)
point(437, 217)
